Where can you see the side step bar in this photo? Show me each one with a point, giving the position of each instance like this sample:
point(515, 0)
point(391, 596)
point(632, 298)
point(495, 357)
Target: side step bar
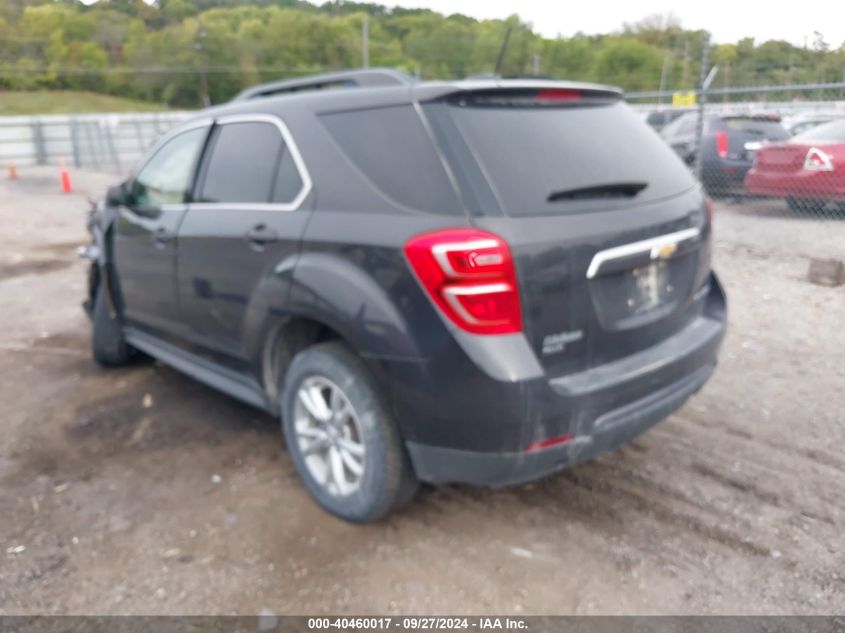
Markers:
point(199, 369)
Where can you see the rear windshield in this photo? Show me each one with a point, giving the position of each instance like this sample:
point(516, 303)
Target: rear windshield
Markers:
point(556, 160)
point(771, 130)
point(833, 131)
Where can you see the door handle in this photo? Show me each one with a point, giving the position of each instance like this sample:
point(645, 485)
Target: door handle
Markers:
point(162, 236)
point(260, 235)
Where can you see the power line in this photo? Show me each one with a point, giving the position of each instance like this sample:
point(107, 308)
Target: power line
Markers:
point(163, 70)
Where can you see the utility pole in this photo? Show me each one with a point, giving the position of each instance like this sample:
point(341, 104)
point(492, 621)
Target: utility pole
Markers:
point(536, 64)
point(703, 84)
point(365, 42)
point(685, 72)
point(663, 75)
point(203, 78)
point(504, 49)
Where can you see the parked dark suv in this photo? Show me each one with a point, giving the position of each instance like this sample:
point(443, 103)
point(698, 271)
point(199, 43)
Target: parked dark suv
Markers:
point(481, 281)
point(729, 144)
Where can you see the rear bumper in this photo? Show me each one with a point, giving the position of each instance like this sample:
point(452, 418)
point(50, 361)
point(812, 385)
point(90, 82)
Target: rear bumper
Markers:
point(725, 175)
point(441, 465)
point(802, 184)
point(601, 408)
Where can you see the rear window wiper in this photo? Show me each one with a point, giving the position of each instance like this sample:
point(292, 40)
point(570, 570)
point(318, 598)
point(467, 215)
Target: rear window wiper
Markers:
point(609, 190)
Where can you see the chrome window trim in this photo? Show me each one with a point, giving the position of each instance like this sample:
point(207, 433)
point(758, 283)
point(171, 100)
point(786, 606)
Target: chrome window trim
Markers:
point(291, 146)
point(652, 244)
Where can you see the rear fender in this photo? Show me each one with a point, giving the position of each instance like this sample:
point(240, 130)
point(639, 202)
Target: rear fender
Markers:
point(338, 293)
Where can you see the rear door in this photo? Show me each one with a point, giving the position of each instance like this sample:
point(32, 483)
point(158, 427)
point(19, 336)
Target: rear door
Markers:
point(145, 232)
point(606, 225)
point(242, 230)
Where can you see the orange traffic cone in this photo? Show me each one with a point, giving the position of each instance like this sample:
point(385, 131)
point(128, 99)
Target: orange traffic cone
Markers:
point(13, 172)
point(65, 176)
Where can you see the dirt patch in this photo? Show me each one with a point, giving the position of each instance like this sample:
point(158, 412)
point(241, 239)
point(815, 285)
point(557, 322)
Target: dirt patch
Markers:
point(32, 267)
point(138, 490)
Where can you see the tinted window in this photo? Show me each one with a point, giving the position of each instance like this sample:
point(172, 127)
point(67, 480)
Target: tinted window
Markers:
point(530, 153)
point(243, 163)
point(834, 131)
point(391, 148)
point(771, 130)
point(166, 177)
point(288, 181)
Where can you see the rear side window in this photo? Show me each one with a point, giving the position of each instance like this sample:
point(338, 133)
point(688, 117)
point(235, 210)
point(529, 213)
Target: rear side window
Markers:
point(249, 163)
point(288, 181)
point(391, 148)
point(770, 130)
point(566, 159)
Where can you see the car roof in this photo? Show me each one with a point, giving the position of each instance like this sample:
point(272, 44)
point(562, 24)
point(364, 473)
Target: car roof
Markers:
point(351, 97)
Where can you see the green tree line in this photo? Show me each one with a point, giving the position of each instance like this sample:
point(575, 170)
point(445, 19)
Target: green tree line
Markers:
point(184, 52)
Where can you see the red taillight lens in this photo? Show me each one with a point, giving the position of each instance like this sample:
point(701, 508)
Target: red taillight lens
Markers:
point(722, 144)
point(470, 275)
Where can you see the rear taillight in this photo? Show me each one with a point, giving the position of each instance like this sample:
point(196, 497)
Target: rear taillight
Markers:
point(470, 276)
point(817, 160)
point(722, 144)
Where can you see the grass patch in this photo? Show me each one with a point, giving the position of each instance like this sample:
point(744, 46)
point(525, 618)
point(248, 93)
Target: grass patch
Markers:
point(68, 101)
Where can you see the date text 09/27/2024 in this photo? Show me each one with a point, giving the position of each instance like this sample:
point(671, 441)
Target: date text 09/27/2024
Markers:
point(421, 623)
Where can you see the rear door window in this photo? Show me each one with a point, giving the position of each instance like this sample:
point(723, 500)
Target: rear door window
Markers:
point(249, 163)
point(565, 159)
point(392, 150)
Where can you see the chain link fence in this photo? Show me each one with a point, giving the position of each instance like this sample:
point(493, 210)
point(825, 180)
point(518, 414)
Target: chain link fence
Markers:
point(779, 148)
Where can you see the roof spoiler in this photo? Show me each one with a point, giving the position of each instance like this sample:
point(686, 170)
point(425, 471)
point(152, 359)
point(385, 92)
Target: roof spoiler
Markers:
point(523, 91)
point(360, 78)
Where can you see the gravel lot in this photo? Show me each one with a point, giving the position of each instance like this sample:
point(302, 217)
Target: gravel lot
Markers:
point(140, 491)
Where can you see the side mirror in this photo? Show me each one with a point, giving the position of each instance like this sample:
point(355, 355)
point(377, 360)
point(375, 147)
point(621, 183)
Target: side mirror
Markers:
point(116, 195)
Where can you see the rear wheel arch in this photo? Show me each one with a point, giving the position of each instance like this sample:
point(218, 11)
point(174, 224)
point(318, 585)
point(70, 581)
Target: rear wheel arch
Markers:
point(283, 341)
point(340, 292)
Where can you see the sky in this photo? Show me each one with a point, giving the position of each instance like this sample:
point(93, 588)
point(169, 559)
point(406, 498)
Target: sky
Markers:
point(727, 20)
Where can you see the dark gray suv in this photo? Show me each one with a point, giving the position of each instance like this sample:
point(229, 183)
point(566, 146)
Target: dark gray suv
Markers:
point(475, 281)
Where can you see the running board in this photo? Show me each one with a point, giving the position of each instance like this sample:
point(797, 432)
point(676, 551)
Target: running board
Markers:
point(199, 369)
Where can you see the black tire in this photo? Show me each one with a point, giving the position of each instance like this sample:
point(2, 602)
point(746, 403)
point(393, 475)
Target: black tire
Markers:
point(388, 481)
point(805, 206)
point(108, 346)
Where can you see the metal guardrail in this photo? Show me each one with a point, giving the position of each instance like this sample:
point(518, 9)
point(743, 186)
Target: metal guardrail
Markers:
point(107, 141)
point(734, 90)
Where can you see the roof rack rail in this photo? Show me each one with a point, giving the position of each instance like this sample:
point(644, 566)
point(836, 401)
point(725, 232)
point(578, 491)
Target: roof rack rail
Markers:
point(361, 78)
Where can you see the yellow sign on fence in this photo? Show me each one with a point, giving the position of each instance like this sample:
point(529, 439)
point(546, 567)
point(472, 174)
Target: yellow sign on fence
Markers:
point(683, 98)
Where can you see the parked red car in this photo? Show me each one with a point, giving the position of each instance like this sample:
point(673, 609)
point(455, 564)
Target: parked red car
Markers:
point(808, 170)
